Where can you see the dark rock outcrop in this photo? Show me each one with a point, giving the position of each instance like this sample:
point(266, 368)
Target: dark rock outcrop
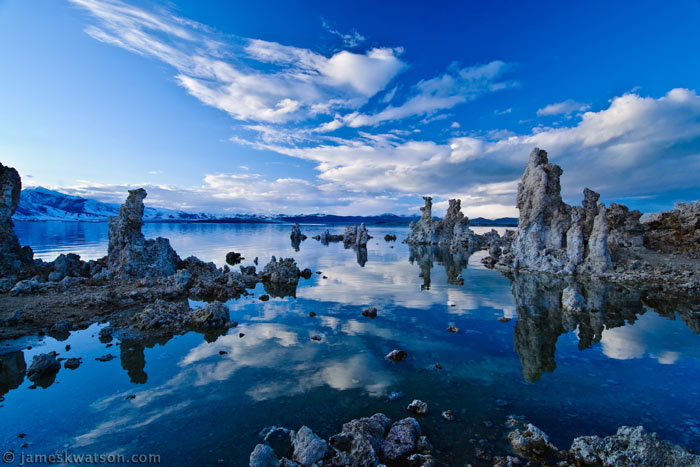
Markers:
point(675, 231)
point(15, 260)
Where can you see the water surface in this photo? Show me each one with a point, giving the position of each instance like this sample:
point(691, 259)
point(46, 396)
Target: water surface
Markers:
point(570, 374)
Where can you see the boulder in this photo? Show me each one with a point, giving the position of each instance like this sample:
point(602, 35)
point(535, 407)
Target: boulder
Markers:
point(43, 366)
point(263, 456)
point(531, 443)
point(401, 440)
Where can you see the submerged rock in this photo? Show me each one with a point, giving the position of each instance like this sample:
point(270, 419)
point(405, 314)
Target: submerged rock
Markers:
point(129, 253)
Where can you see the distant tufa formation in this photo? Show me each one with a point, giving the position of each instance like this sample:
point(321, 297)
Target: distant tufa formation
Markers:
point(451, 232)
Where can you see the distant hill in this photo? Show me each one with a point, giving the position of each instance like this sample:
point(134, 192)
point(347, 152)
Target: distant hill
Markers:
point(40, 204)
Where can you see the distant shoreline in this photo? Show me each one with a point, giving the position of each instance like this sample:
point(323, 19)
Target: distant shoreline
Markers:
point(476, 223)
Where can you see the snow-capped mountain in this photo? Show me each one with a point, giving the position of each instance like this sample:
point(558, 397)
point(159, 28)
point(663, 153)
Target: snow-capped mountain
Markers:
point(40, 204)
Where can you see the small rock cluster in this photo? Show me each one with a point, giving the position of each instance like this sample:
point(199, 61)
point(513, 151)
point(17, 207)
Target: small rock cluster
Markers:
point(365, 442)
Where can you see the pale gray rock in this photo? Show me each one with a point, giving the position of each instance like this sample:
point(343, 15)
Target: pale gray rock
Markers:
point(308, 447)
point(213, 315)
point(552, 236)
point(571, 300)
point(355, 236)
point(630, 446)
point(531, 442)
point(359, 442)
point(129, 253)
point(263, 456)
point(284, 271)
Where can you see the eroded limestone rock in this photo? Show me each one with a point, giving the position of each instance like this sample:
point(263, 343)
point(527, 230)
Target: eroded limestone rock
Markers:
point(130, 254)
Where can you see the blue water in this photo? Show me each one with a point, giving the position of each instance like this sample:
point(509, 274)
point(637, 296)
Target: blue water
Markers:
point(194, 406)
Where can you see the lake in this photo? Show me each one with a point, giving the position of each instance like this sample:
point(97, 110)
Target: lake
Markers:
point(201, 400)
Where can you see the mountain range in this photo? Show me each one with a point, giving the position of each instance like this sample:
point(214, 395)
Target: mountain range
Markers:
point(41, 204)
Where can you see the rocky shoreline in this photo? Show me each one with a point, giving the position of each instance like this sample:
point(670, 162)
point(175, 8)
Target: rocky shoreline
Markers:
point(375, 441)
point(141, 285)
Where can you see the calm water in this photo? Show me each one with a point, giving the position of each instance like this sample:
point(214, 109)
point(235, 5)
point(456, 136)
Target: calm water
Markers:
point(568, 374)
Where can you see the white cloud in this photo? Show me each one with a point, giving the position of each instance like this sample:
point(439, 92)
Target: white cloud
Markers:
point(567, 107)
point(254, 80)
point(456, 86)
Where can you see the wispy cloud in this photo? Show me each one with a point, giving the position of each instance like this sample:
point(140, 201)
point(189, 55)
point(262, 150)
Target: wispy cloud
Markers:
point(351, 39)
point(566, 107)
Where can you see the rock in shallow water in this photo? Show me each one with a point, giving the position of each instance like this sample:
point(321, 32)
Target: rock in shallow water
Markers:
point(397, 355)
point(43, 365)
point(418, 407)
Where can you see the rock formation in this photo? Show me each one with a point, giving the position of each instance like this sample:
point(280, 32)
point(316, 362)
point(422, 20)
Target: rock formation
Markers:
point(14, 259)
point(130, 254)
point(296, 233)
point(556, 238)
point(451, 232)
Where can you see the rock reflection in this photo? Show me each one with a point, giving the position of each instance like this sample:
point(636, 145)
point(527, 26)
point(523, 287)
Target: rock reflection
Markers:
point(12, 370)
point(544, 315)
point(133, 360)
point(425, 255)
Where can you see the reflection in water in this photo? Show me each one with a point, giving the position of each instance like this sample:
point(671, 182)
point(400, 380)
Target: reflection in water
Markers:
point(221, 389)
point(12, 371)
point(425, 255)
point(542, 319)
point(296, 243)
point(133, 360)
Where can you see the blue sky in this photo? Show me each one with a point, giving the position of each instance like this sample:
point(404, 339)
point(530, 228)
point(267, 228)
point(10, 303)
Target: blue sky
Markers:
point(350, 108)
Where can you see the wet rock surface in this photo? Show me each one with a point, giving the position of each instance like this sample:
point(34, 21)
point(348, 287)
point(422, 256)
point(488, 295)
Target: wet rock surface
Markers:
point(44, 366)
